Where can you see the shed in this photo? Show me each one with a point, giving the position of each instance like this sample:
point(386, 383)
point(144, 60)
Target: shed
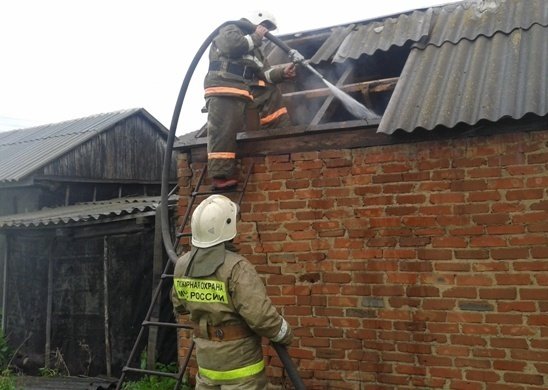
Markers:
point(77, 222)
point(408, 250)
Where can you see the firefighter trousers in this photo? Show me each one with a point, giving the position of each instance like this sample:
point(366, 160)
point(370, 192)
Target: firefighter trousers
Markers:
point(255, 382)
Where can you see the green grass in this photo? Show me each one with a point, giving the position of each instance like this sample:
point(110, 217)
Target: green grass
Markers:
point(149, 382)
point(7, 380)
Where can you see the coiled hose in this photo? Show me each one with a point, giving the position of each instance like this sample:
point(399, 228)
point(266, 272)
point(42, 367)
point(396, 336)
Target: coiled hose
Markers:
point(164, 213)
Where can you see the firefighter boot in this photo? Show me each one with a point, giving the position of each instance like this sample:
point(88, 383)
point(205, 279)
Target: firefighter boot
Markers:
point(224, 184)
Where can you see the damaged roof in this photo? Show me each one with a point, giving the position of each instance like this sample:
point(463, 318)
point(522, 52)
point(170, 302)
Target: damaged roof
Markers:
point(482, 60)
point(353, 41)
point(102, 211)
point(437, 67)
point(26, 150)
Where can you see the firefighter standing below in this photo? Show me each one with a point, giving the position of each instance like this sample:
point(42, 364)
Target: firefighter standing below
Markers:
point(240, 78)
point(227, 302)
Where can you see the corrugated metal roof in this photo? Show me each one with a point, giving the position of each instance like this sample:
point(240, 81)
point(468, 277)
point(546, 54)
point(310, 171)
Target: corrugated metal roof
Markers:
point(470, 60)
point(470, 19)
point(24, 151)
point(331, 44)
point(434, 26)
point(83, 212)
point(369, 38)
point(504, 75)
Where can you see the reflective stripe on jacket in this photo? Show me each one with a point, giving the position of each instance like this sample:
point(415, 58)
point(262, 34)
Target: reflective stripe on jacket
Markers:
point(238, 373)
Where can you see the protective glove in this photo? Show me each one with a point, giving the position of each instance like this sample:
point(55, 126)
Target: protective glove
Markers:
point(295, 56)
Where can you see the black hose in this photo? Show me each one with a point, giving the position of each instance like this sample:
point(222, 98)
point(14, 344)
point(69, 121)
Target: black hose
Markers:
point(164, 212)
point(166, 234)
point(289, 366)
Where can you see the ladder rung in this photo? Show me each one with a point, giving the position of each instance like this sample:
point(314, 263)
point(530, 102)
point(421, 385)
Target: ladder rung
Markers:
point(167, 324)
point(230, 190)
point(240, 189)
point(152, 372)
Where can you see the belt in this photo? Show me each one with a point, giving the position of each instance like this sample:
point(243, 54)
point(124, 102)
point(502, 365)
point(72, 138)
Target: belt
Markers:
point(246, 72)
point(224, 332)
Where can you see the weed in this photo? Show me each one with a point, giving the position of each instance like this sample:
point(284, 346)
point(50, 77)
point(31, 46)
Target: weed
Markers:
point(48, 372)
point(5, 352)
point(7, 381)
point(155, 382)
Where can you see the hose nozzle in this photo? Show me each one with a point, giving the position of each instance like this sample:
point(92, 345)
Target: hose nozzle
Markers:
point(295, 56)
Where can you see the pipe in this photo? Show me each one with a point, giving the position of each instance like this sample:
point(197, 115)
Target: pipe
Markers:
point(168, 244)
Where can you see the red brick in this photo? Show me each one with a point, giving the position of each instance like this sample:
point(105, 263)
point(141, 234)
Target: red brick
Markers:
point(497, 293)
point(533, 293)
point(523, 378)
point(482, 376)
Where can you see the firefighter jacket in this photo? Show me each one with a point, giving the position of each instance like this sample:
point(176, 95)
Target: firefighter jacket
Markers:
point(220, 288)
point(236, 63)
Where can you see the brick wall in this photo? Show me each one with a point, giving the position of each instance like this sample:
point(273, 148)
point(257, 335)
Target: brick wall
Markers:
point(419, 265)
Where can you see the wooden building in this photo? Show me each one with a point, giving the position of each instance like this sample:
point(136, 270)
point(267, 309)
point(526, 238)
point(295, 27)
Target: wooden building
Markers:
point(77, 225)
point(407, 249)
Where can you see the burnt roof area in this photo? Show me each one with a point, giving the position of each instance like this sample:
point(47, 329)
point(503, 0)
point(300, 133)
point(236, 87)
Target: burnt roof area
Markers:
point(363, 59)
point(451, 68)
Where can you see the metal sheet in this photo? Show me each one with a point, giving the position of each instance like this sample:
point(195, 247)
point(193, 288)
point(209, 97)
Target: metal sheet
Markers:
point(488, 78)
point(470, 19)
point(369, 38)
point(92, 211)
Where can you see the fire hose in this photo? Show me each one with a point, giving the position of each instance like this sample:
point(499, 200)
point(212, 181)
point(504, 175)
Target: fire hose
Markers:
point(280, 349)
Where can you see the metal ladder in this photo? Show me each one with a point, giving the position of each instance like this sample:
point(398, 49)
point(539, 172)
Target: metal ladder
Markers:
point(167, 276)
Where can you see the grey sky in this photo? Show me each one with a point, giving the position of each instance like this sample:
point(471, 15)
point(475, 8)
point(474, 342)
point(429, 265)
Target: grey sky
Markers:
point(65, 59)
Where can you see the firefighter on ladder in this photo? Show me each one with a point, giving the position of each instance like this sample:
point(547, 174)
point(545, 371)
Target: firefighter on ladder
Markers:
point(240, 82)
point(227, 303)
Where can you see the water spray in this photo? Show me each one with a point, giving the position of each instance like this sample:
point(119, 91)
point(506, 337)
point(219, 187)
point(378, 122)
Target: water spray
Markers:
point(357, 109)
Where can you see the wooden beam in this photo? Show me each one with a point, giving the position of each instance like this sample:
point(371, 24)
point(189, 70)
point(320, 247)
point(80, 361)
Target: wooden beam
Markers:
point(108, 350)
point(49, 304)
point(374, 86)
point(4, 281)
point(329, 100)
point(350, 135)
point(157, 270)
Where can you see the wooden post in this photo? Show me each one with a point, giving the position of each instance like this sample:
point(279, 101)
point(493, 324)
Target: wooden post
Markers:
point(108, 353)
point(49, 304)
point(67, 195)
point(4, 283)
point(157, 269)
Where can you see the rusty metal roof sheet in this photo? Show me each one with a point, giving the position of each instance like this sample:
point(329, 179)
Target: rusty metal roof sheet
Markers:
point(504, 75)
point(84, 212)
point(23, 151)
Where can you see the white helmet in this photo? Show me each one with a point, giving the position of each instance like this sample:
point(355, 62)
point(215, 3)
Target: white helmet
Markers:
point(213, 221)
point(263, 17)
